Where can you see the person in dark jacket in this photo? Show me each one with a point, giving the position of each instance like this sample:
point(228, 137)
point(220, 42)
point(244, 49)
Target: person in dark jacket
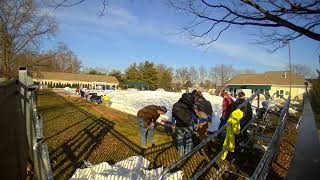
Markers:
point(147, 116)
point(82, 93)
point(183, 115)
point(246, 109)
point(226, 108)
point(261, 111)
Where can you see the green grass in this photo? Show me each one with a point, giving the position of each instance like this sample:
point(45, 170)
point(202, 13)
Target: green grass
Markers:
point(76, 130)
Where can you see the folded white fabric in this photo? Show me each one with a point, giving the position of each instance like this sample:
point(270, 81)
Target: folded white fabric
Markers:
point(133, 168)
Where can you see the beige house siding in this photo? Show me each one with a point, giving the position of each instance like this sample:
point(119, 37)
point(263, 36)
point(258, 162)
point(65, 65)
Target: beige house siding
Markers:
point(278, 81)
point(296, 91)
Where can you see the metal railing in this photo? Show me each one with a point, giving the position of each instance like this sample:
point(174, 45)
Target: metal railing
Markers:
point(263, 167)
point(201, 145)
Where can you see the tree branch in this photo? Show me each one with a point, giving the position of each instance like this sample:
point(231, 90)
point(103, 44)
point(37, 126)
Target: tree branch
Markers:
point(283, 22)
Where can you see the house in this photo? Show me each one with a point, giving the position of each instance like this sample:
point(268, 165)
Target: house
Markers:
point(273, 81)
point(62, 79)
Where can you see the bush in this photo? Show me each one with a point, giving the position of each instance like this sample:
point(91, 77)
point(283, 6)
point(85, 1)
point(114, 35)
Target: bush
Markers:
point(315, 99)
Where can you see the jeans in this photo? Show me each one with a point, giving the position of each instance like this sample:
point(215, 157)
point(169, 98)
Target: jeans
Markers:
point(184, 140)
point(145, 133)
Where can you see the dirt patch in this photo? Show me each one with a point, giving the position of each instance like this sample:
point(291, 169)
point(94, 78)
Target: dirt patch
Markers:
point(281, 163)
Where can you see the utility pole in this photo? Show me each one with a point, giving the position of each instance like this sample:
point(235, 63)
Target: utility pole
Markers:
point(290, 66)
point(286, 41)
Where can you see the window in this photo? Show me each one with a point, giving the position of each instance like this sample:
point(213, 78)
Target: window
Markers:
point(281, 93)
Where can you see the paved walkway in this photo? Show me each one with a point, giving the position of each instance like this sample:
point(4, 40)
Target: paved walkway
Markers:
point(306, 159)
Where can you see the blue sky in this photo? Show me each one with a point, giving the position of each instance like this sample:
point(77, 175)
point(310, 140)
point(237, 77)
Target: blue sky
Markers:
point(138, 30)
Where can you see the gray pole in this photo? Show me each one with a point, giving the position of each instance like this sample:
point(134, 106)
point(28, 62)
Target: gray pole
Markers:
point(290, 66)
point(286, 41)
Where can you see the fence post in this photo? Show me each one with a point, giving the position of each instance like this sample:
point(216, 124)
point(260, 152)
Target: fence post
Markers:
point(37, 150)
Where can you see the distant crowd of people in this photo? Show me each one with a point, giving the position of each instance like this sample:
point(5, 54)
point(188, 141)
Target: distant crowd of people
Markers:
point(93, 96)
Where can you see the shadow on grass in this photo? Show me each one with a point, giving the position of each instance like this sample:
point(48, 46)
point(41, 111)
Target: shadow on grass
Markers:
point(97, 141)
point(69, 156)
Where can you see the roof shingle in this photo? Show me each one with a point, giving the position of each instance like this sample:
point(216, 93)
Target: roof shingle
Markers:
point(268, 78)
point(75, 77)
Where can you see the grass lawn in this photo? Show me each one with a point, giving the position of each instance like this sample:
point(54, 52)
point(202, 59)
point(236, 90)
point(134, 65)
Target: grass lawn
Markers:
point(76, 130)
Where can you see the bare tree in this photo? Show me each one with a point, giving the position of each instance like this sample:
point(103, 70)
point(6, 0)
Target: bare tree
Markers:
point(248, 71)
point(213, 74)
point(224, 73)
point(279, 19)
point(194, 75)
point(23, 25)
point(65, 60)
point(69, 3)
point(59, 59)
point(202, 74)
point(303, 70)
point(182, 75)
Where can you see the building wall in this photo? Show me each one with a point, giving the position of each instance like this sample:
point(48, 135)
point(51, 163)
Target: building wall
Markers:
point(296, 91)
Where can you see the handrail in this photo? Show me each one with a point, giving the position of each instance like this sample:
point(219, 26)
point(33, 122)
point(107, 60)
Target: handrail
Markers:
point(204, 169)
point(263, 166)
point(203, 143)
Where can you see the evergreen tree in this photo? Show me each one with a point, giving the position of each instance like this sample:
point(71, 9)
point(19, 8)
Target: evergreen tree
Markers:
point(117, 74)
point(164, 77)
point(132, 73)
point(315, 97)
point(149, 74)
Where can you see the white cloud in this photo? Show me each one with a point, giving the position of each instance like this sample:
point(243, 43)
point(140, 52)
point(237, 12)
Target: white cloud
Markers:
point(240, 51)
point(122, 20)
point(250, 54)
